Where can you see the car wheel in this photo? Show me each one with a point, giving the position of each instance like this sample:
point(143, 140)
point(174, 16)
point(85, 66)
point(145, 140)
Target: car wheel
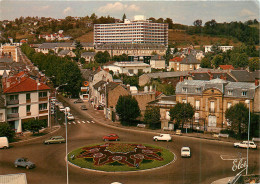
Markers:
point(27, 167)
point(5, 147)
point(156, 139)
point(237, 146)
point(15, 165)
point(60, 142)
point(48, 142)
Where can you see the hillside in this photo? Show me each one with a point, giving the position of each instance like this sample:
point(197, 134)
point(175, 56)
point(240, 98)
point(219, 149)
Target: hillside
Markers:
point(180, 38)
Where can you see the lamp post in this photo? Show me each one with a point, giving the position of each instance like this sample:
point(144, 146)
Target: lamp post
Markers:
point(248, 102)
point(56, 96)
point(67, 109)
point(186, 100)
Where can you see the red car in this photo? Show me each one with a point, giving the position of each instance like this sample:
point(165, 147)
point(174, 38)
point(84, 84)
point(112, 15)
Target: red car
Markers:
point(111, 137)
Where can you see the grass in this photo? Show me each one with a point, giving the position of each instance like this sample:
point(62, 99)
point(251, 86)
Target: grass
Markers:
point(116, 166)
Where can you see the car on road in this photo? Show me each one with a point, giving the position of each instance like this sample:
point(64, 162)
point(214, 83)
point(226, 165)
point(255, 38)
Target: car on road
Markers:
point(83, 107)
point(79, 101)
point(62, 109)
point(111, 137)
point(178, 132)
point(244, 144)
point(24, 162)
point(163, 137)
point(185, 152)
point(4, 142)
point(55, 139)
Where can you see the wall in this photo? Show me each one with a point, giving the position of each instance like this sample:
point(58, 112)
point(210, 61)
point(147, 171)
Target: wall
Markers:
point(143, 99)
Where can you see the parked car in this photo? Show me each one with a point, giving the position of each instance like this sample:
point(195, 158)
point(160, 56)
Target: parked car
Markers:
point(4, 142)
point(24, 162)
point(163, 137)
point(178, 132)
point(83, 107)
point(62, 109)
point(244, 144)
point(55, 139)
point(111, 137)
point(79, 101)
point(185, 152)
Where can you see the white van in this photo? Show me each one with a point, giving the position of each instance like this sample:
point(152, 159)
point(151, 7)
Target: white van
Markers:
point(4, 142)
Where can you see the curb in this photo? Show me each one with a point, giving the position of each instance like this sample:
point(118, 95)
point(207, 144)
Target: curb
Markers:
point(37, 137)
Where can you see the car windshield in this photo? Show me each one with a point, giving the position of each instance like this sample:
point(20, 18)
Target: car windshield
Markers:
point(185, 150)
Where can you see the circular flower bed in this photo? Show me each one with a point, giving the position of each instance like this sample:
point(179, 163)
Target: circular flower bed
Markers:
point(113, 157)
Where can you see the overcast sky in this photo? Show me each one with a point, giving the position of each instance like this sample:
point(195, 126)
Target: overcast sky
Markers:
point(184, 12)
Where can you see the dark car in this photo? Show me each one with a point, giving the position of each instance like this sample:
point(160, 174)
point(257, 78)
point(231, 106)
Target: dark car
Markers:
point(83, 107)
point(111, 137)
point(79, 101)
point(24, 162)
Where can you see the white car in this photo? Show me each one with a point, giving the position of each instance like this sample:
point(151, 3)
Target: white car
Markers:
point(185, 152)
point(163, 137)
point(244, 144)
point(62, 109)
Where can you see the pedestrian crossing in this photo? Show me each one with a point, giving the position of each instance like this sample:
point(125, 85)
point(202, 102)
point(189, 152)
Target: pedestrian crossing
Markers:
point(79, 122)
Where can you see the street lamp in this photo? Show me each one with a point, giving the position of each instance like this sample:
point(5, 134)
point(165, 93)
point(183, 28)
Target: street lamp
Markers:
point(248, 102)
point(186, 101)
point(56, 97)
point(67, 109)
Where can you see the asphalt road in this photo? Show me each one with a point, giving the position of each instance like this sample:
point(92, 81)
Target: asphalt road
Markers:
point(205, 165)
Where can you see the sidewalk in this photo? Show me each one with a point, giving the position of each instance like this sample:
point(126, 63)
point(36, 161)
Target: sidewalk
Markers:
point(223, 180)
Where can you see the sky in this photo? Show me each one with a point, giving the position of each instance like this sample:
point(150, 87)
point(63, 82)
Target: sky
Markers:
point(183, 12)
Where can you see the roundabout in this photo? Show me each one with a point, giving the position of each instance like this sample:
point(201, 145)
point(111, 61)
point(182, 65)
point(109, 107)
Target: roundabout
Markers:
point(118, 157)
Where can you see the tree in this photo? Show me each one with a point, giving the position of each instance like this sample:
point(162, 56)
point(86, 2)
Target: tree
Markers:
point(6, 131)
point(254, 64)
point(127, 109)
point(217, 60)
point(124, 17)
point(238, 116)
point(181, 113)
point(205, 63)
point(34, 125)
point(102, 57)
point(152, 117)
point(78, 49)
point(197, 23)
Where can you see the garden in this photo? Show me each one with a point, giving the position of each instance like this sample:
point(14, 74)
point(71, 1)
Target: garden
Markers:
point(117, 157)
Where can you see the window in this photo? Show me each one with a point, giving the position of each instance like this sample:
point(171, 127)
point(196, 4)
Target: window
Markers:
point(229, 104)
point(190, 66)
point(197, 104)
point(198, 90)
point(14, 110)
point(184, 89)
point(197, 117)
point(28, 108)
point(131, 71)
point(42, 94)
point(42, 106)
point(244, 93)
point(212, 107)
point(184, 101)
point(230, 92)
point(28, 96)
point(13, 97)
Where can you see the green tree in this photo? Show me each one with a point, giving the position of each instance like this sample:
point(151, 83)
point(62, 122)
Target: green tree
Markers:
point(254, 64)
point(217, 60)
point(34, 125)
point(78, 50)
point(6, 131)
point(205, 63)
point(124, 17)
point(181, 113)
point(127, 109)
point(238, 116)
point(102, 57)
point(152, 117)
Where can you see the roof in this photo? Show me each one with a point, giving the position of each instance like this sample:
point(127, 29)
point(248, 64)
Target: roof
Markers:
point(99, 84)
point(84, 54)
point(176, 59)
point(20, 84)
point(86, 73)
point(242, 76)
point(190, 59)
point(64, 52)
point(256, 74)
point(226, 67)
point(157, 57)
point(167, 74)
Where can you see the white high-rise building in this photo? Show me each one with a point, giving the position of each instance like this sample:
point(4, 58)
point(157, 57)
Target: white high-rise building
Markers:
point(137, 31)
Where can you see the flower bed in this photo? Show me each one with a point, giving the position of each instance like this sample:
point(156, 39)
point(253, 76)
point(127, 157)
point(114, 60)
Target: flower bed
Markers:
point(120, 157)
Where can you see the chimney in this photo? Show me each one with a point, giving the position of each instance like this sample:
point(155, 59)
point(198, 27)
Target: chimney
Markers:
point(211, 76)
point(256, 82)
point(181, 78)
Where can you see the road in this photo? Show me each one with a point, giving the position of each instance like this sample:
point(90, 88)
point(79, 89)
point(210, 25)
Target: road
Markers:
point(205, 165)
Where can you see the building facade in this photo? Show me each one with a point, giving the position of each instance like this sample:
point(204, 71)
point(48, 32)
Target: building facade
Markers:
point(212, 98)
point(136, 31)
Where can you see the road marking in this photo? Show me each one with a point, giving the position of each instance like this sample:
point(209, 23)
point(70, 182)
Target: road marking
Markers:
point(83, 122)
point(74, 122)
point(230, 157)
point(78, 122)
point(64, 123)
point(69, 123)
point(88, 121)
point(92, 121)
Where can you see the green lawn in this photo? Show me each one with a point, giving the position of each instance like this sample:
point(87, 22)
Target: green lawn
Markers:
point(117, 166)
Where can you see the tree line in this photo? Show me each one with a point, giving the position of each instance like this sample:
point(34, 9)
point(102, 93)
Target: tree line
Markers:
point(59, 70)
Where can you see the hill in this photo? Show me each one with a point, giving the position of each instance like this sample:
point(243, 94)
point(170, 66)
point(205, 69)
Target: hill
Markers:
point(180, 38)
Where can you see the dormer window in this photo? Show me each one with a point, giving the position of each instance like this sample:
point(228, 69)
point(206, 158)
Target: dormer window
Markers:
point(198, 90)
point(184, 89)
point(244, 93)
point(230, 92)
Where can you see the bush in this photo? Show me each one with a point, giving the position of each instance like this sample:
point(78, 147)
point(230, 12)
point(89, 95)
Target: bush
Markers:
point(6, 131)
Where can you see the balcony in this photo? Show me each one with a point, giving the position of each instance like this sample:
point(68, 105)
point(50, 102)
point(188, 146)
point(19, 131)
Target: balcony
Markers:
point(12, 102)
point(43, 99)
point(43, 111)
point(13, 115)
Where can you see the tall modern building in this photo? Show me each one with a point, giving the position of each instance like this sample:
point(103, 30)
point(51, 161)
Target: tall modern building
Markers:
point(139, 30)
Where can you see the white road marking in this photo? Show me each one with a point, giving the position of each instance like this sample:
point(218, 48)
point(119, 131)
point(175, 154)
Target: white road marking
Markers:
point(230, 157)
point(78, 122)
point(69, 123)
point(92, 121)
point(64, 123)
point(88, 121)
point(74, 122)
point(83, 122)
